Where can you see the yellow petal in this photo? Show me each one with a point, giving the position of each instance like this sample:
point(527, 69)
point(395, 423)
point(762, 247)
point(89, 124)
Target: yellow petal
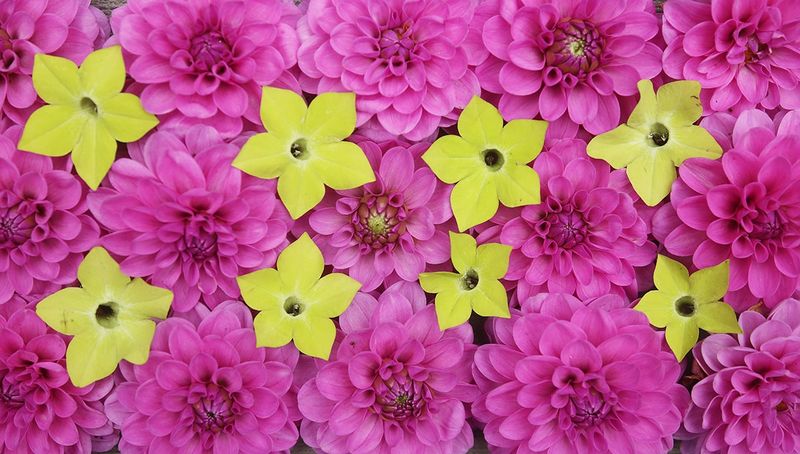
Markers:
point(261, 289)
point(331, 295)
point(439, 281)
point(490, 299)
point(480, 123)
point(99, 274)
point(679, 103)
point(52, 130)
point(142, 300)
point(452, 159)
point(452, 308)
point(717, 317)
point(518, 185)
point(474, 200)
point(658, 307)
point(272, 329)
point(68, 311)
point(646, 110)
point(125, 118)
point(341, 165)
point(682, 336)
point(671, 277)
point(56, 79)
point(315, 336)
point(692, 142)
point(94, 153)
point(492, 260)
point(300, 190)
point(463, 248)
point(282, 111)
point(331, 117)
point(651, 176)
point(618, 147)
point(102, 73)
point(264, 156)
point(133, 339)
point(300, 264)
point(91, 356)
point(710, 284)
point(522, 140)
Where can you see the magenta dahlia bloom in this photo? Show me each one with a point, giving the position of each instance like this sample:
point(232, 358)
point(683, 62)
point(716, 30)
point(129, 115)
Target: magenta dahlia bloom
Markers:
point(389, 229)
point(206, 61)
point(569, 378)
point(744, 54)
point(407, 62)
point(394, 383)
point(744, 207)
point(750, 401)
point(585, 238)
point(554, 58)
point(186, 219)
point(67, 28)
point(204, 389)
point(44, 227)
point(40, 410)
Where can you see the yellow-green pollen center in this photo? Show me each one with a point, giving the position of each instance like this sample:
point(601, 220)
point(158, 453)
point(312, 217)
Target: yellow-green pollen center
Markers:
point(377, 224)
point(577, 47)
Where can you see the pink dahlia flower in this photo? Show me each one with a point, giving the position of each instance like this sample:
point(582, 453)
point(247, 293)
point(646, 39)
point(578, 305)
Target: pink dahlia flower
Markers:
point(186, 219)
point(407, 62)
point(394, 383)
point(391, 228)
point(206, 388)
point(205, 61)
point(743, 53)
point(750, 401)
point(44, 227)
point(40, 410)
point(567, 378)
point(67, 28)
point(576, 57)
point(585, 238)
point(744, 207)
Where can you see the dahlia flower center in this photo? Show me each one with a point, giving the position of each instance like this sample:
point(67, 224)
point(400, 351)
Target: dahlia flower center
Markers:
point(782, 407)
point(293, 306)
point(213, 413)
point(493, 159)
point(378, 221)
point(209, 48)
point(14, 227)
point(9, 395)
point(469, 280)
point(5, 40)
point(89, 106)
point(766, 226)
point(659, 135)
point(588, 410)
point(567, 229)
point(106, 314)
point(685, 306)
point(200, 240)
point(755, 50)
point(401, 401)
point(397, 42)
point(577, 47)
point(299, 149)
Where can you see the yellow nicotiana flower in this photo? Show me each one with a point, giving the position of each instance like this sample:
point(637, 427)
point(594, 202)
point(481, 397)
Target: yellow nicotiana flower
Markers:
point(304, 147)
point(109, 317)
point(476, 285)
point(684, 303)
point(487, 163)
point(87, 113)
point(295, 303)
point(659, 136)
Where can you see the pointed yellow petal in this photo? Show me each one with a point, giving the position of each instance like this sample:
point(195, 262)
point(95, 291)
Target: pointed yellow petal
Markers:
point(56, 79)
point(52, 130)
point(264, 156)
point(300, 264)
point(692, 142)
point(452, 159)
point(315, 336)
point(682, 336)
point(490, 299)
point(679, 103)
point(480, 123)
point(522, 140)
point(710, 284)
point(68, 311)
point(671, 277)
point(439, 281)
point(282, 111)
point(341, 165)
point(452, 308)
point(91, 356)
point(102, 73)
point(474, 200)
point(717, 317)
point(331, 117)
point(272, 328)
point(331, 295)
point(300, 190)
point(261, 289)
point(651, 176)
point(658, 307)
point(125, 118)
point(142, 300)
point(99, 274)
point(492, 260)
point(463, 248)
point(518, 185)
point(645, 112)
point(94, 153)
point(133, 339)
point(618, 147)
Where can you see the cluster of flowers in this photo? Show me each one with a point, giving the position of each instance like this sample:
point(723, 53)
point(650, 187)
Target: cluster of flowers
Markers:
point(247, 270)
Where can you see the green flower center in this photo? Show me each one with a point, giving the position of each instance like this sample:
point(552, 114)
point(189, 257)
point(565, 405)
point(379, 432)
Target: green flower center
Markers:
point(293, 306)
point(659, 135)
point(685, 306)
point(470, 280)
point(106, 315)
point(299, 149)
point(577, 47)
point(89, 106)
point(493, 159)
point(377, 224)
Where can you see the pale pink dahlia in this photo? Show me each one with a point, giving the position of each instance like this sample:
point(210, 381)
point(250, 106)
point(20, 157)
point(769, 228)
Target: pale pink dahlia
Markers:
point(407, 61)
point(743, 53)
point(183, 217)
point(41, 412)
point(394, 383)
point(744, 207)
point(67, 28)
point(553, 58)
point(44, 226)
point(205, 61)
point(389, 229)
point(750, 401)
point(585, 238)
point(567, 378)
point(205, 389)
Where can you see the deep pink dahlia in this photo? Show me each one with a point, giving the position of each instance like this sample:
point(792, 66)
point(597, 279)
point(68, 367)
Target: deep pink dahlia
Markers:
point(407, 61)
point(569, 378)
point(744, 207)
point(750, 401)
point(205, 389)
point(44, 227)
point(575, 57)
point(67, 28)
point(205, 61)
point(743, 53)
point(186, 219)
point(585, 238)
point(391, 228)
point(41, 412)
point(394, 383)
